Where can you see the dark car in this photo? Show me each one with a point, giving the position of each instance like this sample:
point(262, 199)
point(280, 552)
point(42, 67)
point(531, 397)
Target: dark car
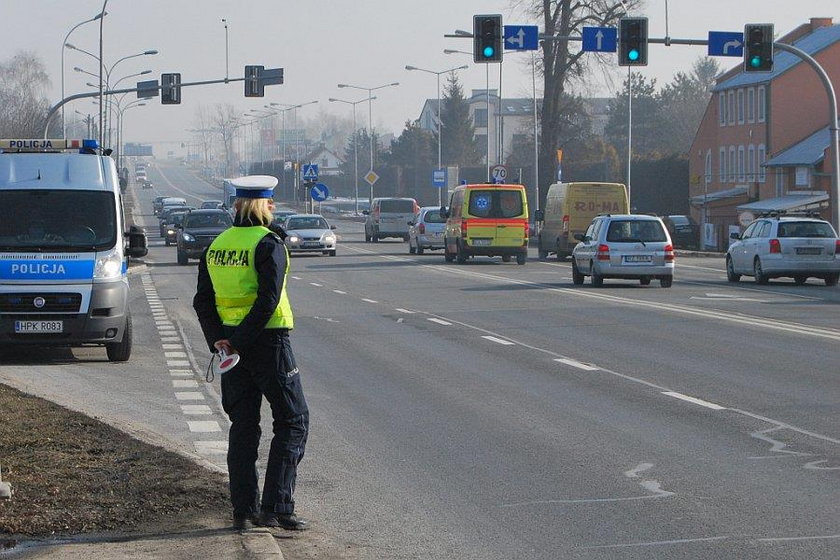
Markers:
point(198, 230)
point(685, 233)
point(165, 216)
point(170, 229)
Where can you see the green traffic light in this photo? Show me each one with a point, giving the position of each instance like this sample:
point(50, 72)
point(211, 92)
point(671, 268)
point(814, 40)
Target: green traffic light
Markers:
point(755, 61)
point(488, 52)
point(633, 54)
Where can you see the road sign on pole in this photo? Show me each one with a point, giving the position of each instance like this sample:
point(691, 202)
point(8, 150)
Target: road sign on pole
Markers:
point(309, 172)
point(439, 178)
point(521, 37)
point(499, 173)
point(319, 192)
point(371, 177)
point(726, 43)
point(600, 39)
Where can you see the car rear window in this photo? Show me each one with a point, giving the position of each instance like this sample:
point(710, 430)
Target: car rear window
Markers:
point(495, 204)
point(680, 220)
point(627, 231)
point(805, 229)
point(397, 206)
point(208, 220)
point(306, 223)
point(434, 217)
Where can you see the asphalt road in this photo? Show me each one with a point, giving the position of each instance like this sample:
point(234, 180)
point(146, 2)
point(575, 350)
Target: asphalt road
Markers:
point(494, 410)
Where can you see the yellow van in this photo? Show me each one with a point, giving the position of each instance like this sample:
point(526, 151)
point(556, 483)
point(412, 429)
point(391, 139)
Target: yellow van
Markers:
point(489, 220)
point(570, 208)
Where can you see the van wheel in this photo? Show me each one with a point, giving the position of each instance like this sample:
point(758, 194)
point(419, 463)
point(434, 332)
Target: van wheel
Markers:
point(577, 277)
point(419, 249)
point(461, 255)
point(521, 258)
point(121, 351)
point(597, 279)
point(505, 258)
point(666, 281)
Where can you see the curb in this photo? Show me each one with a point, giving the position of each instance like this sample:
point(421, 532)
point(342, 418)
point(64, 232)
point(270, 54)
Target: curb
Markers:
point(260, 543)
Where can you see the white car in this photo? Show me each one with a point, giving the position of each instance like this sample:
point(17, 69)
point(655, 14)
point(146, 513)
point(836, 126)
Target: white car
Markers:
point(785, 246)
point(310, 233)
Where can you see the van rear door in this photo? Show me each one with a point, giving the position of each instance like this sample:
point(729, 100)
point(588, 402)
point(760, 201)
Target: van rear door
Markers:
point(498, 217)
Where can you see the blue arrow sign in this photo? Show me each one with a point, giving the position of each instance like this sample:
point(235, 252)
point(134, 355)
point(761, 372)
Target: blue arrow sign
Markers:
point(439, 178)
point(310, 172)
point(521, 37)
point(600, 39)
point(319, 192)
point(726, 43)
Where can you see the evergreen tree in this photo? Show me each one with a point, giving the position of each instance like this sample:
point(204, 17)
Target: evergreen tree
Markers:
point(648, 126)
point(458, 146)
point(414, 148)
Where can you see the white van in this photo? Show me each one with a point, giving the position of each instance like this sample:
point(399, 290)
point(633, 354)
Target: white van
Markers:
point(64, 247)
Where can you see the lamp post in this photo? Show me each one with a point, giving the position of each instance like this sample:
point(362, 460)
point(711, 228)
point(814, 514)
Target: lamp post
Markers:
point(370, 120)
point(101, 69)
point(63, 45)
point(437, 74)
point(135, 103)
point(114, 65)
point(355, 148)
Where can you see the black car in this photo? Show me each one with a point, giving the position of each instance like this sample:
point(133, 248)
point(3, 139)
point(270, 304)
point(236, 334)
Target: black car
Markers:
point(170, 233)
point(685, 233)
point(165, 216)
point(198, 230)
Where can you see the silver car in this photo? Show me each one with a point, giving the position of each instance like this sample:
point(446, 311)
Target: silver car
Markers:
point(309, 233)
point(425, 230)
point(630, 246)
point(777, 246)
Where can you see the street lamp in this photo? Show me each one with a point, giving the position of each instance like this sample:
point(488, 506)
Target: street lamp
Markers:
point(63, 45)
point(370, 120)
point(437, 74)
point(108, 72)
point(135, 103)
point(355, 146)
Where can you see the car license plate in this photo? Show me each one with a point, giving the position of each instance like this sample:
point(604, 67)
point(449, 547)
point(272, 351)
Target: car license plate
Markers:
point(637, 259)
point(481, 242)
point(25, 327)
point(310, 244)
point(809, 250)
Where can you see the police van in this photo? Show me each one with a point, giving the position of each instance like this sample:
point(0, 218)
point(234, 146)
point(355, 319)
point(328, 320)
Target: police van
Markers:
point(64, 247)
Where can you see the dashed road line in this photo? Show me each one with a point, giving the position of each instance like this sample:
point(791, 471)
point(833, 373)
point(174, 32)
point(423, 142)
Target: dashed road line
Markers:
point(439, 321)
point(694, 400)
point(498, 340)
point(577, 364)
point(369, 300)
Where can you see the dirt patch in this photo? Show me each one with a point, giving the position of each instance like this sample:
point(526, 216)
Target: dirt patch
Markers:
point(72, 474)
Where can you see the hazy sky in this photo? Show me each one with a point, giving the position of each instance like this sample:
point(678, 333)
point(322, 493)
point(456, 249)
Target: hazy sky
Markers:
point(321, 43)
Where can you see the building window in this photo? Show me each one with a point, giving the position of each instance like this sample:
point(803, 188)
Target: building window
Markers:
point(480, 118)
point(722, 166)
point(708, 167)
point(741, 164)
point(740, 106)
point(733, 169)
point(780, 181)
point(761, 157)
point(751, 171)
point(751, 105)
point(722, 108)
point(730, 108)
point(803, 177)
point(762, 104)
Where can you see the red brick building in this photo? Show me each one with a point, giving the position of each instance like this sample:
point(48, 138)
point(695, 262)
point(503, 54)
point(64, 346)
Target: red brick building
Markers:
point(763, 143)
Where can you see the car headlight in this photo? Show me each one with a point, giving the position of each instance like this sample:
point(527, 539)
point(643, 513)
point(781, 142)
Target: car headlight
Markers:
point(294, 239)
point(188, 237)
point(170, 232)
point(329, 237)
point(108, 266)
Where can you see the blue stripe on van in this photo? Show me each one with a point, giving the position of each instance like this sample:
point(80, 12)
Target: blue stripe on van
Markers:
point(46, 270)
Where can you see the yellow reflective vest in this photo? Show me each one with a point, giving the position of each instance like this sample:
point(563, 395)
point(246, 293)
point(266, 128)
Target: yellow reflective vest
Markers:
point(231, 265)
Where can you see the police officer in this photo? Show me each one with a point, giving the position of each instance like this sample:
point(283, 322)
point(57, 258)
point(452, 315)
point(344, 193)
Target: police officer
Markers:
point(243, 307)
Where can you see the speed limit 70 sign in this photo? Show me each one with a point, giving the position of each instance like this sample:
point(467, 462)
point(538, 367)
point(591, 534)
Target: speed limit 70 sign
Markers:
point(499, 173)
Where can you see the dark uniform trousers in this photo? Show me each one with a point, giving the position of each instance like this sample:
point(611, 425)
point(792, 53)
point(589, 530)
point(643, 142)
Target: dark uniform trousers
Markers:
point(267, 370)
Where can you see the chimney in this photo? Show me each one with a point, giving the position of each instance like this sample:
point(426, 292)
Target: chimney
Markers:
point(818, 22)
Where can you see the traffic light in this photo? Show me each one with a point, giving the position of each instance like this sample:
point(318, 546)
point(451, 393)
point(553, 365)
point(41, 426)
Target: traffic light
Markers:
point(487, 38)
point(758, 47)
point(170, 93)
point(254, 86)
point(633, 41)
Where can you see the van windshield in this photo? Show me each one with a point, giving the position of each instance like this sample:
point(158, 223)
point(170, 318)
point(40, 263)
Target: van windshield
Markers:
point(397, 206)
point(495, 204)
point(57, 220)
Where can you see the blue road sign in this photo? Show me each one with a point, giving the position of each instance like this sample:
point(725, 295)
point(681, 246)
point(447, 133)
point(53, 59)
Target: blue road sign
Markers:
point(310, 172)
point(600, 39)
point(439, 178)
point(726, 43)
point(319, 192)
point(521, 37)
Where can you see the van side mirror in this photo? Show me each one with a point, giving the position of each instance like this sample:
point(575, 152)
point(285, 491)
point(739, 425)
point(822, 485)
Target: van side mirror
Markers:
point(539, 215)
point(137, 246)
point(444, 212)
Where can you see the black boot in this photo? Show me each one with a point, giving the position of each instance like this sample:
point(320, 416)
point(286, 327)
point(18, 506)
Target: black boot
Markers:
point(288, 521)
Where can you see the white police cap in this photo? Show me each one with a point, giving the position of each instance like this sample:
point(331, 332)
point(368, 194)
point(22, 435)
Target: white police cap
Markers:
point(255, 186)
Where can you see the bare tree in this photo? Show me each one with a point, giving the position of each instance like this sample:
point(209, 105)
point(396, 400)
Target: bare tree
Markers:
point(560, 65)
point(23, 101)
point(204, 133)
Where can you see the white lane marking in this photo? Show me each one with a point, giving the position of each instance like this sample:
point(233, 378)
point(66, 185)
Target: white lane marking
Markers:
point(177, 363)
point(184, 384)
point(180, 373)
point(817, 466)
point(170, 339)
point(498, 340)
point(776, 446)
point(174, 354)
point(189, 396)
point(340, 292)
point(656, 543)
point(207, 447)
point(576, 364)
point(401, 310)
point(439, 321)
point(196, 409)
point(641, 467)
point(785, 539)
point(694, 400)
point(317, 284)
point(296, 277)
point(204, 426)
point(369, 300)
point(171, 346)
